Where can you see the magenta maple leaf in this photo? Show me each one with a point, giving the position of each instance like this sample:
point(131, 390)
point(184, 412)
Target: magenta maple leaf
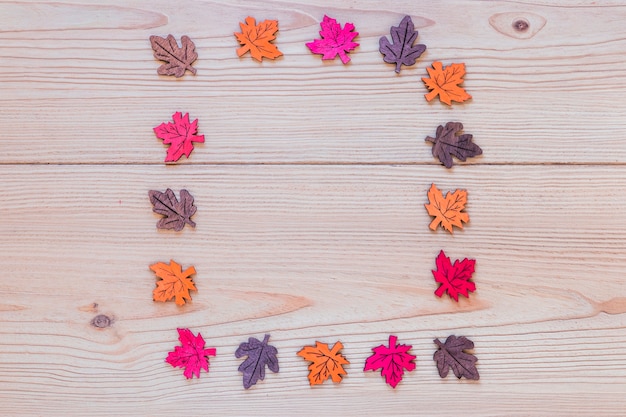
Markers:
point(180, 135)
point(454, 278)
point(392, 361)
point(191, 355)
point(335, 40)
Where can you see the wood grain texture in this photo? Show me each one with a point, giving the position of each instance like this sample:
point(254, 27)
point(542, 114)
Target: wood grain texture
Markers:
point(310, 225)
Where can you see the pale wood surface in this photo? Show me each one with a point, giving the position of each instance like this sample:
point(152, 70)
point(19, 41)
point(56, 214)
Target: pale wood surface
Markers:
point(310, 191)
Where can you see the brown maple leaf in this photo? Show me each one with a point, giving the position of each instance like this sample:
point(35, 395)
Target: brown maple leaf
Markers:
point(179, 59)
point(448, 210)
point(445, 83)
point(176, 213)
point(450, 142)
point(325, 363)
point(174, 282)
point(452, 355)
point(256, 39)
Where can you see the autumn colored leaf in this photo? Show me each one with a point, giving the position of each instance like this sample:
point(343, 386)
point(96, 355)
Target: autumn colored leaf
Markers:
point(257, 39)
point(180, 135)
point(325, 363)
point(335, 40)
point(392, 361)
point(452, 355)
point(445, 83)
point(174, 282)
point(449, 142)
point(401, 51)
point(178, 59)
point(454, 278)
point(448, 210)
point(176, 213)
point(260, 355)
point(191, 355)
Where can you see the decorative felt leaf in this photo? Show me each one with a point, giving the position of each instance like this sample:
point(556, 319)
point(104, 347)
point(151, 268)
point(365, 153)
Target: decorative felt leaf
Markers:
point(176, 213)
point(448, 210)
point(402, 51)
point(260, 354)
point(392, 361)
point(191, 355)
point(445, 83)
point(178, 58)
point(256, 39)
point(449, 142)
point(454, 278)
point(335, 40)
point(325, 363)
point(451, 355)
point(180, 135)
point(174, 282)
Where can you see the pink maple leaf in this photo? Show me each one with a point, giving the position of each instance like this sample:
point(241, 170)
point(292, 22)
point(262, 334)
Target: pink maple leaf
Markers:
point(191, 355)
point(392, 361)
point(180, 135)
point(335, 40)
point(454, 278)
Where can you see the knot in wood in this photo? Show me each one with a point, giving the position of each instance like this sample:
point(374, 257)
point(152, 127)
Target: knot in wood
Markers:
point(101, 321)
point(521, 25)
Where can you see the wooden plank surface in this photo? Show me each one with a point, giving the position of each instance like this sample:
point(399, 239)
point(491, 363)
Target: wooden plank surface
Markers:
point(310, 225)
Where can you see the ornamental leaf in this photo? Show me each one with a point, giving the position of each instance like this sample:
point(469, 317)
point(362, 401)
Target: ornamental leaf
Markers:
point(448, 210)
point(178, 59)
point(257, 39)
point(325, 363)
point(454, 278)
point(402, 51)
point(392, 361)
point(335, 40)
point(180, 135)
point(449, 142)
point(176, 213)
point(452, 355)
point(191, 355)
point(260, 354)
point(174, 282)
point(445, 83)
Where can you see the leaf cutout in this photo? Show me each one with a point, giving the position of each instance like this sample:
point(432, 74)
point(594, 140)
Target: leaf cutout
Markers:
point(180, 135)
point(449, 142)
point(257, 39)
point(191, 355)
point(444, 82)
point(402, 51)
point(325, 363)
point(448, 210)
point(454, 278)
point(174, 282)
point(392, 361)
point(178, 59)
point(452, 355)
point(260, 355)
point(335, 40)
point(176, 213)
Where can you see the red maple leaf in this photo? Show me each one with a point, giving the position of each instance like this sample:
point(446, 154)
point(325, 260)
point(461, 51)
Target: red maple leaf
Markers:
point(391, 361)
point(454, 278)
point(191, 355)
point(180, 135)
point(335, 40)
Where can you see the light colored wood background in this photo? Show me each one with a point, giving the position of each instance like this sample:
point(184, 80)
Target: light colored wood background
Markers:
point(310, 191)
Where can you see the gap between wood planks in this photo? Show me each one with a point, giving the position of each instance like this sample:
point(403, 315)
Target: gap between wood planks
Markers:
point(315, 163)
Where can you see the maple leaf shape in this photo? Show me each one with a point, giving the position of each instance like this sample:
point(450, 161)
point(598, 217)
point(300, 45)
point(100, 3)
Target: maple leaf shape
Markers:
point(450, 143)
point(448, 210)
point(256, 39)
point(176, 213)
point(180, 135)
point(179, 59)
point(174, 282)
point(191, 355)
point(454, 278)
point(451, 355)
point(391, 361)
point(445, 83)
point(402, 51)
point(260, 354)
point(335, 40)
point(325, 363)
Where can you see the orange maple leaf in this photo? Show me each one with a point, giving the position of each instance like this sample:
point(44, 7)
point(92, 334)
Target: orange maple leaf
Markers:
point(447, 210)
point(174, 282)
point(445, 83)
point(256, 39)
point(325, 363)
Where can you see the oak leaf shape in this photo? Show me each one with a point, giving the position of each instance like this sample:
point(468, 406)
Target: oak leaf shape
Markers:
point(176, 213)
point(401, 51)
point(325, 363)
point(392, 361)
point(448, 210)
point(178, 59)
point(191, 355)
point(444, 82)
point(180, 135)
point(454, 278)
point(257, 39)
point(174, 282)
point(260, 355)
point(335, 40)
point(449, 142)
point(452, 355)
